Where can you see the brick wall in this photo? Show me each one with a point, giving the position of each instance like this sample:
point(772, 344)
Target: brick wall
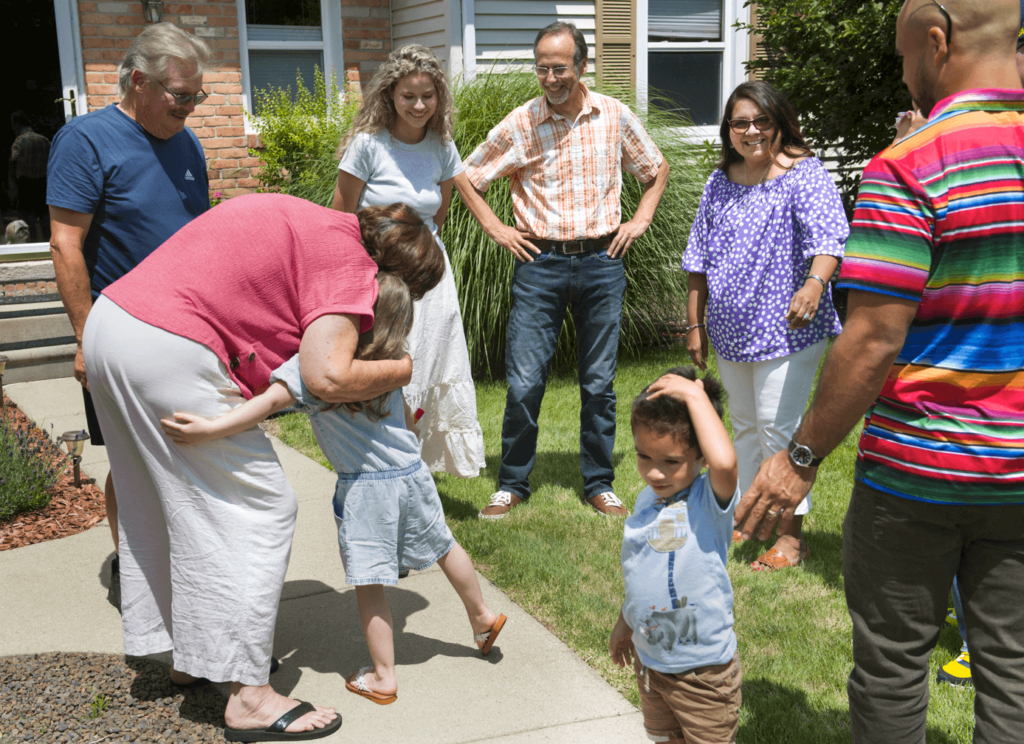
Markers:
point(366, 34)
point(108, 29)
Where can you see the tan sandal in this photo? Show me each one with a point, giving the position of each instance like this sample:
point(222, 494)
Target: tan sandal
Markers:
point(488, 637)
point(356, 684)
point(773, 560)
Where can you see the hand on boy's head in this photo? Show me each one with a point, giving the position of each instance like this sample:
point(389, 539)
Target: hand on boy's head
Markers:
point(674, 386)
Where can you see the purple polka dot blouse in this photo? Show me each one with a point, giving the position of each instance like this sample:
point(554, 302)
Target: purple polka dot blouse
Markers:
point(755, 244)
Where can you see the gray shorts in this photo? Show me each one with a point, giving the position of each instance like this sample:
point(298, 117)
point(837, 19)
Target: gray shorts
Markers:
point(388, 520)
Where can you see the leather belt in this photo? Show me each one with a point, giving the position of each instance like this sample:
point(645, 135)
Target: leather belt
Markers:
point(573, 247)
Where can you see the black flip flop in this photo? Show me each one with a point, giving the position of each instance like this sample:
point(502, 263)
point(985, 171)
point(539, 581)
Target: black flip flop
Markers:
point(203, 681)
point(276, 730)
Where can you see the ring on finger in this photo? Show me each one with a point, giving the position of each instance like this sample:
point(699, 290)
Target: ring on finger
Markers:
point(808, 316)
point(772, 513)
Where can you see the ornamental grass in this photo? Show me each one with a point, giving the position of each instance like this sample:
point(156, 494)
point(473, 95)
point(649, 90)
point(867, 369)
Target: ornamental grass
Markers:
point(301, 134)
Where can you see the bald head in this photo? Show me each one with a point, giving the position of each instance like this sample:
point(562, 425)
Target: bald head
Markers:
point(974, 48)
point(980, 27)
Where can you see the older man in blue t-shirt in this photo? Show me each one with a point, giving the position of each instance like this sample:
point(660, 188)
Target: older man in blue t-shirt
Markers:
point(121, 181)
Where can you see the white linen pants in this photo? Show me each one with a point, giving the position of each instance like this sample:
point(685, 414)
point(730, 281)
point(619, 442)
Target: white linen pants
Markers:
point(205, 530)
point(766, 402)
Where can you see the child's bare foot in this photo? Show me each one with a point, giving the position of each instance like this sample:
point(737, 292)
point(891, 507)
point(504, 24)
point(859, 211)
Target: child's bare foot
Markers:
point(251, 707)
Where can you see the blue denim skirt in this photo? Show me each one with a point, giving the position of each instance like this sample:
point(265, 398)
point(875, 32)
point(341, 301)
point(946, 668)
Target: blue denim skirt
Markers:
point(388, 520)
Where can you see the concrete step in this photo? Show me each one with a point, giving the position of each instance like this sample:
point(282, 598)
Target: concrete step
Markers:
point(45, 363)
point(22, 328)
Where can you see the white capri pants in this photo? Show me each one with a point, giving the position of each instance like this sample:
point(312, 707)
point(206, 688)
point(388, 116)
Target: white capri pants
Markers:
point(205, 530)
point(766, 402)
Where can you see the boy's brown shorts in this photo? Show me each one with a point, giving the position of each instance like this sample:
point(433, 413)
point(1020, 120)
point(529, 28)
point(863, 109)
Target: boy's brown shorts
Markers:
point(701, 706)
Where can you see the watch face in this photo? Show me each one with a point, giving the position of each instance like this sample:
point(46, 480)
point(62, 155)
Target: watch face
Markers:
point(802, 455)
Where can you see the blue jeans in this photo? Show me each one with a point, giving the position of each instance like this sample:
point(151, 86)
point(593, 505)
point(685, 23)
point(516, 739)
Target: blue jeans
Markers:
point(593, 285)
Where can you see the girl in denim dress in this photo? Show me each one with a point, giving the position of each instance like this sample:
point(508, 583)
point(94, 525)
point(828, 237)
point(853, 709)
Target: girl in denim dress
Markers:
point(386, 505)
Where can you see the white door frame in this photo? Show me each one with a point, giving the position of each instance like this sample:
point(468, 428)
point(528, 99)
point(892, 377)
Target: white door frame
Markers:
point(72, 69)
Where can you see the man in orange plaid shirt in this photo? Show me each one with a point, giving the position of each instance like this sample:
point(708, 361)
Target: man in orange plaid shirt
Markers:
point(565, 152)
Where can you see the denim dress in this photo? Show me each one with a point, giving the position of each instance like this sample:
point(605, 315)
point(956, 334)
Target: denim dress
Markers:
point(386, 505)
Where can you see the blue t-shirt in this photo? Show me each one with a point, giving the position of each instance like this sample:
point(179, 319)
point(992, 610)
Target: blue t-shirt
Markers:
point(140, 189)
point(678, 595)
point(350, 441)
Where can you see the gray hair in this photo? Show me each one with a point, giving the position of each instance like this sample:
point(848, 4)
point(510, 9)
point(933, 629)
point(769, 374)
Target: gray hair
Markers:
point(564, 27)
point(155, 46)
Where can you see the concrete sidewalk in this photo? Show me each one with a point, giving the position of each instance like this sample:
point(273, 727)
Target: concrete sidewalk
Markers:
point(531, 688)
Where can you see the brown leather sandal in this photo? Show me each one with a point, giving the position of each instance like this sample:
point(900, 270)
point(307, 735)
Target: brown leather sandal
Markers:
point(773, 560)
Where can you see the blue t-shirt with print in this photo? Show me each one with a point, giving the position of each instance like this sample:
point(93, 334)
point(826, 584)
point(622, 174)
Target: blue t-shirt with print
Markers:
point(350, 441)
point(678, 595)
point(140, 189)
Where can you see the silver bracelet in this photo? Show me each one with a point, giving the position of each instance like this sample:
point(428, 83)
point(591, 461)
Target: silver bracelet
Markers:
point(695, 325)
point(815, 276)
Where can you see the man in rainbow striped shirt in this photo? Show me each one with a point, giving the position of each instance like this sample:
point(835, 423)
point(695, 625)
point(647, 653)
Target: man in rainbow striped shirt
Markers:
point(933, 352)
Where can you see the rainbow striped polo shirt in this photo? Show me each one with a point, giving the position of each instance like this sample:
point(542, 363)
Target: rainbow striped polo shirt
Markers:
point(940, 220)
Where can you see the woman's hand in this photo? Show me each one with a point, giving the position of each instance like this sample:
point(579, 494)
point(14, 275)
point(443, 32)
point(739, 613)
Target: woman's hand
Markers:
point(697, 347)
point(804, 305)
point(187, 428)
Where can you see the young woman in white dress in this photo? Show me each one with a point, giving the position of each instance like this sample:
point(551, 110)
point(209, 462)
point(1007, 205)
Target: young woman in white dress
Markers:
point(400, 149)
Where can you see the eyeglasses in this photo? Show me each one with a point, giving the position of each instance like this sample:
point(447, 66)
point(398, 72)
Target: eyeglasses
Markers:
point(761, 124)
point(949, 22)
point(542, 72)
point(184, 99)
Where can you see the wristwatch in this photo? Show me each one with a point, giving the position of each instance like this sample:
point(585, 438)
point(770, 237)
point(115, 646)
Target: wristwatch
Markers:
point(801, 455)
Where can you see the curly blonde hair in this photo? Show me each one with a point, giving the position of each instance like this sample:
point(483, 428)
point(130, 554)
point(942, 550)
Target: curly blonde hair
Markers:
point(378, 109)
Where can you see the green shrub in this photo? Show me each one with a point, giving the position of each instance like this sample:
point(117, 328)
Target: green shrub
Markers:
point(297, 132)
point(483, 272)
point(836, 60)
point(29, 464)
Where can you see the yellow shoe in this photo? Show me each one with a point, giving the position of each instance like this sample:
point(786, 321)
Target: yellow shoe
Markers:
point(958, 671)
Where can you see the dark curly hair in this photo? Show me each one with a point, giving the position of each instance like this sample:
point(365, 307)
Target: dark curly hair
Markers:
point(667, 416)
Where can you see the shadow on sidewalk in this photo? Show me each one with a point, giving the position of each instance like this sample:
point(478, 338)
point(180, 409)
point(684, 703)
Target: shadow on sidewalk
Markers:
point(320, 630)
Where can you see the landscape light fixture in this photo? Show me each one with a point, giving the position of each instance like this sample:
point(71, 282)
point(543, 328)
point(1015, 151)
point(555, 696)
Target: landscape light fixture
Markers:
point(75, 443)
point(153, 10)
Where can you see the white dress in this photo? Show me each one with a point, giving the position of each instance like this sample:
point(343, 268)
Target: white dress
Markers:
point(442, 383)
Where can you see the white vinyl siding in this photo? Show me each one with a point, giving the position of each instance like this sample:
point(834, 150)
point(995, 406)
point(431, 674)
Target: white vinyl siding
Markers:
point(436, 24)
point(421, 22)
point(505, 30)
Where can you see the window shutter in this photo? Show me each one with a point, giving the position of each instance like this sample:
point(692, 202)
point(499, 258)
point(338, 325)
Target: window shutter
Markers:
point(758, 50)
point(616, 44)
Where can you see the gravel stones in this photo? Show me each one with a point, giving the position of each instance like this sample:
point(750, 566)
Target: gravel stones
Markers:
point(55, 698)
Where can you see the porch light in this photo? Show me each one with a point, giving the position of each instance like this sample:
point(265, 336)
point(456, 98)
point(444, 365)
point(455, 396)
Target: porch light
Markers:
point(153, 10)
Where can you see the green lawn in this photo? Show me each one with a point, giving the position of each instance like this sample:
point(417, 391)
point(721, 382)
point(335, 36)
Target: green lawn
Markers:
point(560, 562)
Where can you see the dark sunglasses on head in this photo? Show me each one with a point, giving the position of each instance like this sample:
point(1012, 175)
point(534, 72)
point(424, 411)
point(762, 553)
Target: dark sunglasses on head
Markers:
point(184, 99)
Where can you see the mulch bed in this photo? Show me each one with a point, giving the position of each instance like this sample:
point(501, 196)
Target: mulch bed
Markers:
point(91, 698)
point(70, 511)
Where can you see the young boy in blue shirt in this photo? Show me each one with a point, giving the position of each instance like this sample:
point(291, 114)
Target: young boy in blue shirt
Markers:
point(676, 623)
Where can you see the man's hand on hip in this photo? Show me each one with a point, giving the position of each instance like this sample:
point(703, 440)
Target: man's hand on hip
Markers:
point(514, 242)
point(627, 233)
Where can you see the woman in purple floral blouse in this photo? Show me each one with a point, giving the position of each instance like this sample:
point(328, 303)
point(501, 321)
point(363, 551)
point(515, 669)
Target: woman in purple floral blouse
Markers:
point(768, 235)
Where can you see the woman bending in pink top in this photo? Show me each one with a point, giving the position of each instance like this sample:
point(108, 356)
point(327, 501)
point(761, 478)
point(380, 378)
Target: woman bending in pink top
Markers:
point(205, 531)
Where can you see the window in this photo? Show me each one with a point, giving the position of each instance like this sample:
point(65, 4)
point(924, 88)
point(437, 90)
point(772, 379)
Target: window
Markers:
point(283, 40)
point(692, 55)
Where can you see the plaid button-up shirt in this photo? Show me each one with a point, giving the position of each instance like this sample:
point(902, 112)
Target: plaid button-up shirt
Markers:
point(566, 176)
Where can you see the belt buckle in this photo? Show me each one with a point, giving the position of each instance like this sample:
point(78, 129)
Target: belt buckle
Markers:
point(581, 246)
